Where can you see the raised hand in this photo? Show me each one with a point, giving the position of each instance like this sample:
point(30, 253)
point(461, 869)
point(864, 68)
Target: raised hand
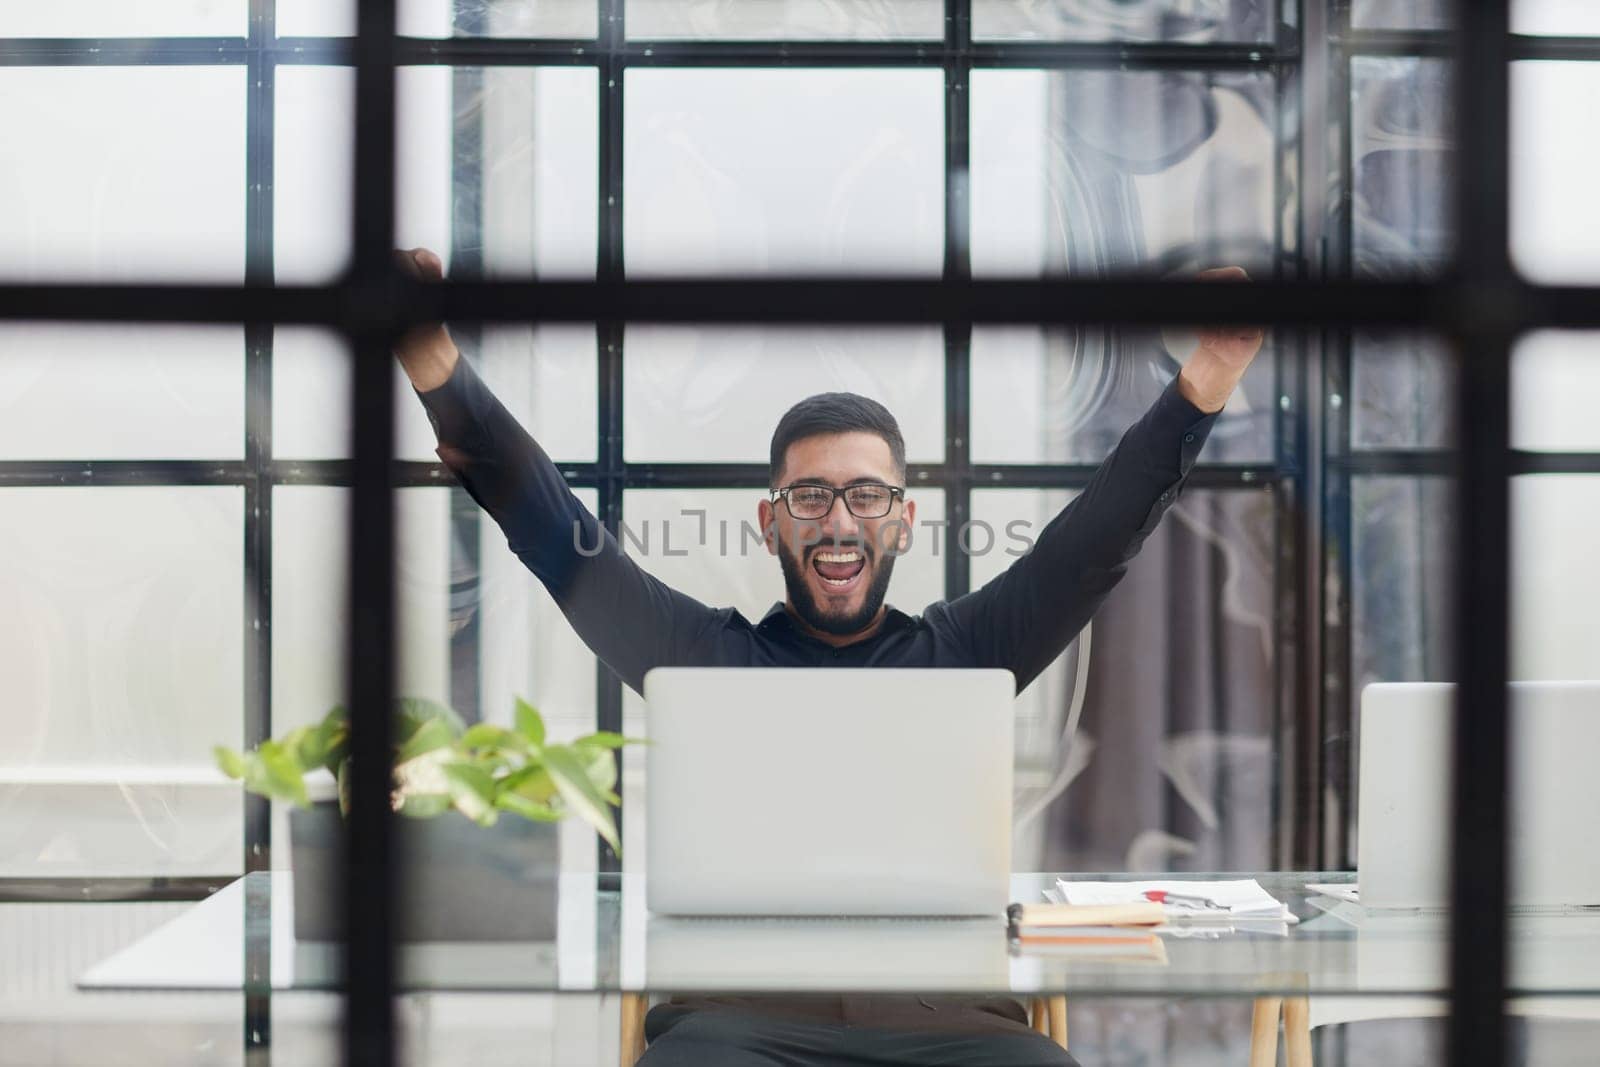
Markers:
point(427, 354)
point(1234, 345)
point(1222, 354)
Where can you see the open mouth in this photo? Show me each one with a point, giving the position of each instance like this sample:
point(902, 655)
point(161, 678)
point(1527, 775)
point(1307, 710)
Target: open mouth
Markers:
point(839, 569)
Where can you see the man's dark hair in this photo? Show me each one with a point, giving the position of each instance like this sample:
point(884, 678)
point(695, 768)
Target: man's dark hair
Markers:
point(830, 413)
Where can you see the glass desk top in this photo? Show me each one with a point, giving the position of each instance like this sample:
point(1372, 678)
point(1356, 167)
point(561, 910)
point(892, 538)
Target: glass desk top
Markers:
point(241, 938)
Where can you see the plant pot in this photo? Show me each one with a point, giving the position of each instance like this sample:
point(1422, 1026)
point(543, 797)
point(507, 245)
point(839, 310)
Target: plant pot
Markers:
point(460, 881)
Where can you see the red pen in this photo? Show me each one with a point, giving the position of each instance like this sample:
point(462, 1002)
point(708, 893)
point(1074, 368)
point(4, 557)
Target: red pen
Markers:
point(1162, 896)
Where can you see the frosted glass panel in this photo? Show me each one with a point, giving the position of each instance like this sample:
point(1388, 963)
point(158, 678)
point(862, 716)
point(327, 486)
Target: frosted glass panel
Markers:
point(1403, 538)
point(119, 18)
point(121, 392)
point(129, 174)
point(1554, 213)
point(313, 168)
point(1068, 395)
point(1555, 578)
point(1115, 172)
point(1400, 117)
point(1571, 18)
point(1401, 392)
point(849, 180)
point(310, 532)
point(1400, 14)
point(539, 147)
point(121, 647)
point(545, 376)
point(1170, 762)
point(785, 20)
point(1555, 378)
point(698, 395)
point(1186, 21)
point(540, 154)
point(444, 18)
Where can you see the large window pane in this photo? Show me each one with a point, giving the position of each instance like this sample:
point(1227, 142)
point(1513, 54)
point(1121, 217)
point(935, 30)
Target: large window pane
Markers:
point(315, 157)
point(1400, 14)
point(119, 18)
point(129, 174)
point(1116, 172)
point(1068, 396)
point(544, 375)
point(785, 20)
point(1403, 534)
point(1555, 579)
point(850, 181)
point(1554, 213)
point(121, 392)
point(697, 395)
point(121, 646)
point(1154, 20)
point(445, 18)
point(1400, 165)
point(1402, 391)
point(1573, 18)
point(1171, 763)
point(1555, 378)
point(530, 145)
point(313, 161)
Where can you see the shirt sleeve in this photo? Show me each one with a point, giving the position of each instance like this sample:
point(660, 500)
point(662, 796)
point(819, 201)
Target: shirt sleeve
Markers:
point(1022, 619)
point(630, 619)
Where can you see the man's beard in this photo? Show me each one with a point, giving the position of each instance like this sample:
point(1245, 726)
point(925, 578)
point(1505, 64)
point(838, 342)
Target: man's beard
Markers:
point(794, 578)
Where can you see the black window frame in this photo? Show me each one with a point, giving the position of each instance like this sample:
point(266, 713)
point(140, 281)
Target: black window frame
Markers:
point(1480, 304)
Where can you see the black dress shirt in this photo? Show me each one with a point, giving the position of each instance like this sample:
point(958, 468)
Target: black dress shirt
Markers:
point(1020, 621)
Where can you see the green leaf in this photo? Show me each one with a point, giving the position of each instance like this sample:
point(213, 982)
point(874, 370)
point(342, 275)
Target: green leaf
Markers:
point(307, 745)
point(600, 765)
point(580, 793)
point(335, 729)
point(282, 773)
point(518, 804)
point(230, 762)
point(532, 782)
point(606, 739)
point(530, 724)
point(431, 734)
point(414, 711)
point(473, 792)
point(425, 805)
point(484, 735)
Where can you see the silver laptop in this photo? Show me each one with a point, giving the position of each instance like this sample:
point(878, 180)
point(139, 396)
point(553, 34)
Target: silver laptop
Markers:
point(795, 791)
point(1403, 849)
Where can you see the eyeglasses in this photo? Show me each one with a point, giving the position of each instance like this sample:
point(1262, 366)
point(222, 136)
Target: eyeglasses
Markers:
point(865, 500)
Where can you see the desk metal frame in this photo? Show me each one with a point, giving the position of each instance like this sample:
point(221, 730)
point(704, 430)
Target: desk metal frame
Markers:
point(1481, 305)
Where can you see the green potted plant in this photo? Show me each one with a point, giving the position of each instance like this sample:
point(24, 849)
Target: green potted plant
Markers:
point(489, 872)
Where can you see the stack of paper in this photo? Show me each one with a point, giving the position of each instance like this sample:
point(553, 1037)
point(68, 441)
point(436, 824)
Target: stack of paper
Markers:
point(1236, 900)
point(1086, 933)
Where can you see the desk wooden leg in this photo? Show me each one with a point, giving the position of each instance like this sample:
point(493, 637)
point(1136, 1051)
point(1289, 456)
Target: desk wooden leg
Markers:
point(1058, 1020)
point(1264, 1032)
point(1297, 1031)
point(1039, 1016)
point(634, 1006)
